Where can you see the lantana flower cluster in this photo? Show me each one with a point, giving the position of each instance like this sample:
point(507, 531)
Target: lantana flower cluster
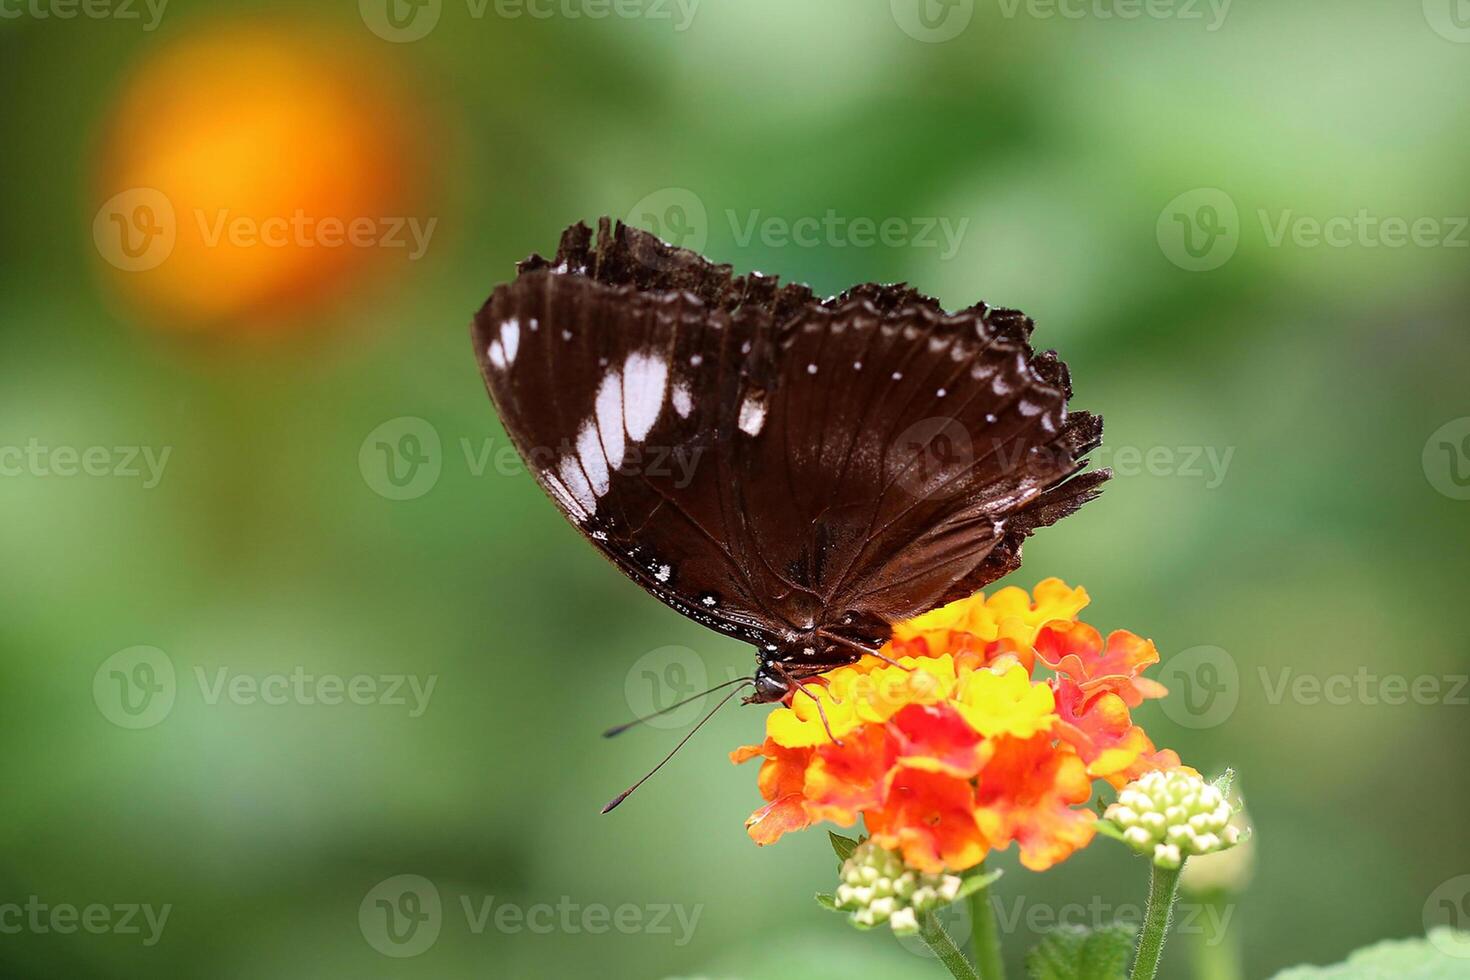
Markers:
point(965, 744)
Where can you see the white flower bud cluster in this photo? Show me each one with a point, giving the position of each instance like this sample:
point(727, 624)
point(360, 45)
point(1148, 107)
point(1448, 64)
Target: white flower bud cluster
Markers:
point(877, 888)
point(1173, 815)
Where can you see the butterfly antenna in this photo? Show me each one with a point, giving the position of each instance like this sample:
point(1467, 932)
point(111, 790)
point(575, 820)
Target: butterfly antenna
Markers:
point(629, 791)
point(619, 729)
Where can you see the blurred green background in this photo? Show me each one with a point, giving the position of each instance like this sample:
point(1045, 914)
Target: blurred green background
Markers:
point(1144, 186)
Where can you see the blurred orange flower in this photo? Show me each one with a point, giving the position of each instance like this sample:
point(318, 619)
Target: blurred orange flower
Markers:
point(958, 750)
point(250, 174)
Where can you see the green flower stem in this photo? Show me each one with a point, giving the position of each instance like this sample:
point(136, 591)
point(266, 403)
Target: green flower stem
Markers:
point(949, 954)
point(985, 934)
point(1161, 890)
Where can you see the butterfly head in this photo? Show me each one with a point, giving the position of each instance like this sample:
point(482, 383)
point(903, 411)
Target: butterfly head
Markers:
point(770, 686)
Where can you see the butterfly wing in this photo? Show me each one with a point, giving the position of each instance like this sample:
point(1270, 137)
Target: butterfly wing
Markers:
point(766, 463)
point(911, 452)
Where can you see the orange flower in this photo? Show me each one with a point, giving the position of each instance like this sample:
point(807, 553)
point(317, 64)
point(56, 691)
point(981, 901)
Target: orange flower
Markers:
point(780, 781)
point(930, 818)
point(955, 749)
point(1077, 650)
point(1026, 794)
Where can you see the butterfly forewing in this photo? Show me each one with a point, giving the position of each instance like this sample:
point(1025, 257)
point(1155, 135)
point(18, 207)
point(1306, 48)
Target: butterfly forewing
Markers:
point(773, 465)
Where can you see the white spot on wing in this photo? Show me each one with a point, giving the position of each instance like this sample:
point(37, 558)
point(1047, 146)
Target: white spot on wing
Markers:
point(610, 417)
point(565, 498)
point(589, 448)
point(576, 484)
point(683, 402)
point(497, 355)
point(510, 336)
point(752, 415)
point(645, 384)
point(663, 573)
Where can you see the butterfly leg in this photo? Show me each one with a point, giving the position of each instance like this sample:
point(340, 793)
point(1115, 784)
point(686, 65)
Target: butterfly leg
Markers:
point(890, 661)
point(804, 689)
point(867, 651)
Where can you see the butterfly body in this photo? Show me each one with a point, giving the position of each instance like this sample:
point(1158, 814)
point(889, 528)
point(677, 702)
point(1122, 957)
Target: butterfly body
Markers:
point(796, 473)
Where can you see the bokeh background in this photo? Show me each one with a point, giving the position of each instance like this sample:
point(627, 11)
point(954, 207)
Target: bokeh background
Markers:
point(331, 495)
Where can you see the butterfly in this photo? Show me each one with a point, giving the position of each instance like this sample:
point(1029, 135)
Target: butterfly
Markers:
point(794, 472)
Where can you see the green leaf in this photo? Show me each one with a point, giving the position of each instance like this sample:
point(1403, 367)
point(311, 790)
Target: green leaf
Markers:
point(844, 846)
point(1445, 955)
point(1079, 953)
point(827, 902)
point(1109, 829)
point(976, 882)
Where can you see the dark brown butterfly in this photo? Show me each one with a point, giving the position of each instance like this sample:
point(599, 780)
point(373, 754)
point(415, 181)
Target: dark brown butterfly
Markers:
point(793, 472)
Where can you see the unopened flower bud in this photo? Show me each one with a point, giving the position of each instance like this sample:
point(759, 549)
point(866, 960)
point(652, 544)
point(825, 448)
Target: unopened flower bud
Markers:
point(876, 888)
point(1171, 816)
